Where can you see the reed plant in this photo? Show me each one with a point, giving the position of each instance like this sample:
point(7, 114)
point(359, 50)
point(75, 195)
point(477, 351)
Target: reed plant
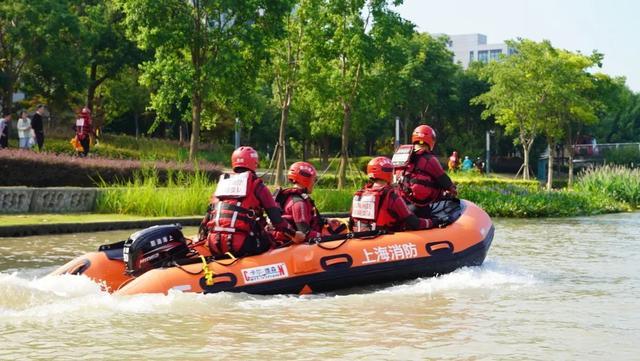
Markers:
point(188, 193)
point(183, 194)
point(617, 182)
point(333, 200)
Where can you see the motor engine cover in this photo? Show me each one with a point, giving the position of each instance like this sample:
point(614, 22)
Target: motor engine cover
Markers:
point(153, 247)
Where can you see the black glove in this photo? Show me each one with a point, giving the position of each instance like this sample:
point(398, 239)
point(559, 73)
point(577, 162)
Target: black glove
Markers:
point(441, 222)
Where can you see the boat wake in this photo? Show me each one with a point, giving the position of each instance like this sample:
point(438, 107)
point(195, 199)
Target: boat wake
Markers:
point(50, 297)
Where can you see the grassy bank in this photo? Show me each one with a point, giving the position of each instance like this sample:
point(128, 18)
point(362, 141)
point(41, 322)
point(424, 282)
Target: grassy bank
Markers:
point(8, 220)
point(604, 190)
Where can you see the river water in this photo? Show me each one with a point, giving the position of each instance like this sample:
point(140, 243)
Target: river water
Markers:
point(562, 289)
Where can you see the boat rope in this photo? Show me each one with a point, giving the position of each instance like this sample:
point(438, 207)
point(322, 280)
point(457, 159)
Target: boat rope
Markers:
point(332, 248)
point(208, 274)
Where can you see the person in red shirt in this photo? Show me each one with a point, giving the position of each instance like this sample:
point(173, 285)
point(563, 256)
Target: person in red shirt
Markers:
point(235, 220)
point(380, 206)
point(423, 180)
point(84, 130)
point(298, 207)
point(454, 162)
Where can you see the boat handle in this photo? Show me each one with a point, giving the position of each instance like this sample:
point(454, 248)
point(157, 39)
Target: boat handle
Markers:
point(221, 282)
point(78, 268)
point(439, 248)
point(336, 262)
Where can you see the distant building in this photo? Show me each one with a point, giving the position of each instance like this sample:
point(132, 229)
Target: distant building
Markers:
point(467, 48)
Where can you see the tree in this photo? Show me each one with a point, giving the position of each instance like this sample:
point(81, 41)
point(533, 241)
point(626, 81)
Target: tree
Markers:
point(204, 50)
point(515, 94)
point(124, 95)
point(104, 44)
point(348, 38)
point(619, 115)
point(428, 81)
point(38, 38)
point(286, 57)
point(568, 103)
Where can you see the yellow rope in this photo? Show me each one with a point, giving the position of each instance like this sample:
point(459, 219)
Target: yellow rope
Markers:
point(208, 274)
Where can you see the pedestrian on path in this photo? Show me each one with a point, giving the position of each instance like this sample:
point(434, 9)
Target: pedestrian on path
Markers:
point(5, 123)
point(37, 124)
point(24, 131)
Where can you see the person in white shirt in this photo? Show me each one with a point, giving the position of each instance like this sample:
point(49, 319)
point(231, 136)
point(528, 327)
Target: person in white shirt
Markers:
point(24, 131)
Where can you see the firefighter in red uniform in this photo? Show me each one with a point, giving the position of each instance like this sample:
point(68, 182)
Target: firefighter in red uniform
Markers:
point(235, 220)
point(84, 130)
point(298, 207)
point(423, 180)
point(379, 205)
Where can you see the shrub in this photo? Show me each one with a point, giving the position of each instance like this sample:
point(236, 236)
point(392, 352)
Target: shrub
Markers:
point(54, 170)
point(517, 201)
point(617, 182)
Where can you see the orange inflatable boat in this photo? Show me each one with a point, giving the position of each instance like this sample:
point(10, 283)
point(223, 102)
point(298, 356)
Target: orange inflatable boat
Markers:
point(298, 269)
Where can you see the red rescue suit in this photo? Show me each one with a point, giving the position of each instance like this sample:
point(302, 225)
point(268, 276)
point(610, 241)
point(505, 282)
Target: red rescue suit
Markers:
point(381, 207)
point(83, 126)
point(423, 179)
point(235, 220)
point(300, 212)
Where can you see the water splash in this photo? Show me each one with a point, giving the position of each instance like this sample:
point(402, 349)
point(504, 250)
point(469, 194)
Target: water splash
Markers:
point(491, 275)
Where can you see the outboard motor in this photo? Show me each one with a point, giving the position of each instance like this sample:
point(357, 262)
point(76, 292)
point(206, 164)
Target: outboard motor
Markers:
point(153, 247)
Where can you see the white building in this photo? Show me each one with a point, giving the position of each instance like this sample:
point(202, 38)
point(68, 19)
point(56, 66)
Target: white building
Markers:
point(467, 48)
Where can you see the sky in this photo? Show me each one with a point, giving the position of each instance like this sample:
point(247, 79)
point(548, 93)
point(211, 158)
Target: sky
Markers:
point(611, 27)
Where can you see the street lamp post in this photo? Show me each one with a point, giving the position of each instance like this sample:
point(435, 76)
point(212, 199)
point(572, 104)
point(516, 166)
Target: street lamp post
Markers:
point(237, 133)
point(397, 142)
point(488, 155)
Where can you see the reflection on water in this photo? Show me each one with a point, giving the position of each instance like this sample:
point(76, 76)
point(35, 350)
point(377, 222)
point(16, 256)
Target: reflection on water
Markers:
point(550, 289)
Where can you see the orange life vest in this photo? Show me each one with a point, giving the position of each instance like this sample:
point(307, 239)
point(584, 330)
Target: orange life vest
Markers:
point(369, 209)
point(234, 214)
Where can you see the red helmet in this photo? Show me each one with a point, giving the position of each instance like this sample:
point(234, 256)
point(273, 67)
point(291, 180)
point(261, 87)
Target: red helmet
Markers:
point(380, 168)
point(85, 111)
point(244, 157)
point(424, 134)
point(304, 174)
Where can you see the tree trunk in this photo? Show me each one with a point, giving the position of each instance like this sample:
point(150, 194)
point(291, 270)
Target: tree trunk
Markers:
point(195, 121)
point(344, 148)
point(137, 123)
point(570, 179)
point(525, 165)
point(406, 129)
point(550, 168)
point(91, 91)
point(7, 95)
point(305, 150)
point(284, 116)
point(324, 152)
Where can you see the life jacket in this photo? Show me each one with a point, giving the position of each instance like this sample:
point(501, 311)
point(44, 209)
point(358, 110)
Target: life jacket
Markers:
point(83, 127)
point(286, 198)
point(235, 213)
point(369, 209)
point(417, 184)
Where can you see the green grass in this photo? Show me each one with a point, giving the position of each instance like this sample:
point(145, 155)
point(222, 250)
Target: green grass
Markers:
point(38, 219)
